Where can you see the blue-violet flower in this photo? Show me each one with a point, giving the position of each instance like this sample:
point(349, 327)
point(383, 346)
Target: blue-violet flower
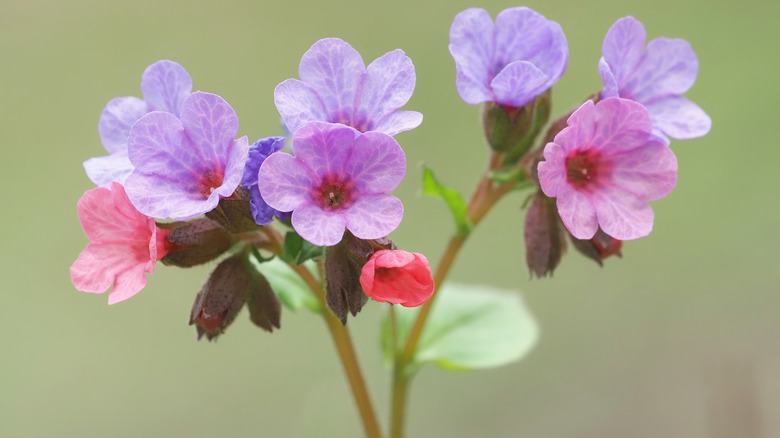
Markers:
point(258, 152)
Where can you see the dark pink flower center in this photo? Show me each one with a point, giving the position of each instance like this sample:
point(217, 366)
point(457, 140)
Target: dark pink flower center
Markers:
point(582, 167)
point(334, 192)
point(209, 182)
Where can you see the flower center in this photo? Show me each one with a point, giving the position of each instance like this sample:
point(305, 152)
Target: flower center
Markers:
point(333, 193)
point(582, 167)
point(209, 182)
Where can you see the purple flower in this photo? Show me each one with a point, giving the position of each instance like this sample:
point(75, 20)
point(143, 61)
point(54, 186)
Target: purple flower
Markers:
point(604, 167)
point(258, 152)
point(656, 77)
point(338, 178)
point(184, 166)
point(511, 62)
point(337, 87)
point(164, 84)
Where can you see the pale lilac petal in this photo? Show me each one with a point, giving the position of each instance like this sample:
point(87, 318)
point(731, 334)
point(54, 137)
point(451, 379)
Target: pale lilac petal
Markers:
point(103, 170)
point(298, 104)
point(116, 119)
point(552, 171)
point(576, 211)
point(165, 84)
point(649, 171)
point(669, 67)
point(621, 124)
point(518, 84)
point(284, 183)
point(621, 214)
point(679, 118)
point(234, 161)
point(388, 84)
point(399, 121)
point(623, 48)
point(374, 216)
point(322, 228)
point(525, 35)
point(211, 125)
point(471, 45)
point(324, 147)
point(333, 68)
point(377, 163)
point(608, 78)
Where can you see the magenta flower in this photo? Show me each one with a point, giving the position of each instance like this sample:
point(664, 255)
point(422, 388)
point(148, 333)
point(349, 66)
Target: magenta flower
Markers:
point(656, 77)
point(337, 87)
point(184, 166)
point(164, 84)
point(124, 245)
point(511, 62)
point(604, 167)
point(338, 178)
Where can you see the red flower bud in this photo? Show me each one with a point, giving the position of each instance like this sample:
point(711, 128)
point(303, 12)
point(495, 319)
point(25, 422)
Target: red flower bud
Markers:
point(397, 277)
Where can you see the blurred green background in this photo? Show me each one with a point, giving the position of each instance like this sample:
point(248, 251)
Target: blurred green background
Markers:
point(680, 338)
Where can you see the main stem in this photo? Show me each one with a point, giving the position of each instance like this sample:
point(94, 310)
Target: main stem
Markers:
point(482, 200)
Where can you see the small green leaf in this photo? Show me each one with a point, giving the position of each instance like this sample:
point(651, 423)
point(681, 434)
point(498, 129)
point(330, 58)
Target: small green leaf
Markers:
point(469, 327)
point(432, 187)
point(296, 250)
point(288, 286)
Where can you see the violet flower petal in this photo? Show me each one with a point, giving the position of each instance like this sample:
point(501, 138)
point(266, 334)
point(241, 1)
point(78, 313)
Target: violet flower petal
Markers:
point(518, 84)
point(165, 84)
point(284, 182)
point(678, 117)
point(374, 216)
point(324, 147)
point(472, 46)
point(669, 67)
point(376, 164)
point(332, 68)
point(399, 121)
point(298, 103)
point(258, 152)
point(623, 48)
point(320, 227)
point(114, 167)
point(116, 119)
point(611, 88)
point(388, 84)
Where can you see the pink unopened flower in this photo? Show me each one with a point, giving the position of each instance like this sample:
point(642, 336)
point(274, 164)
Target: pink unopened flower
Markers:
point(124, 245)
point(397, 277)
point(604, 167)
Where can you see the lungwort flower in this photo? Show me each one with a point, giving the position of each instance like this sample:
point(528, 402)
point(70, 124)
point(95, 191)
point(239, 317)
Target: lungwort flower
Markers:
point(258, 152)
point(184, 166)
point(338, 178)
point(337, 87)
point(397, 277)
point(656, 77)
point(509, 63)
point(124, 245)
point(604, 168)
point(165, 85)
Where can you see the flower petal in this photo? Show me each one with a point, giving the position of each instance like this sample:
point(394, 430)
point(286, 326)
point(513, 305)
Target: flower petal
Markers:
point(233, 161)
point(107, 216)
point(211, 125)
point(399, 121)
point(283, 182)
point(577, 212)
point(127, 284)
point(609, 80)
point(116, 119)
point(324, 147)
point(621, 214)
point(377, 163)
point(623, 48)
point(525, 35)
point(322, 228)
point(580, 130)
point(649, 171)
point(669, 67)
point(334, 70)
point(518, 84)
point(374, 216)
point(679, 118)
point(387, 85)
point(552, 171)
point(620, 124)
point(258, 152)
point(103, 170)
point(471, 45)
point(165, 84)
point(298, 104)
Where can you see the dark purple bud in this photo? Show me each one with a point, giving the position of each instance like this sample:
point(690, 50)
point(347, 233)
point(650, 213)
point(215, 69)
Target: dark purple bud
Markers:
point(544, 236)
point(234, 213)
point(265, 310)
point(195, 242)
point(221, 298)
point(342, 270)
point(599, 247)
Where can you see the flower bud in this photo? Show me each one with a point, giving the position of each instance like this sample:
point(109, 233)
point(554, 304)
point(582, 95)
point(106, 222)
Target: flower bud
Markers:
point(397, 277)
point(544, 237)
point(221, 298)
point(234, 213)
point(265, 310)
point(195, 242)
point(599, 247)
point(510, 130)
point(342, 270)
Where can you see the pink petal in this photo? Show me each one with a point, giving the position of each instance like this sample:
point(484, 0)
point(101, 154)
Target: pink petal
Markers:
point(577, 212)
point(322, 228)
point(298, 104)
point(377, 163)
point(324, 147)
point(648, 172)
point(621, 124)
point(374, 216)
point(471, 45)
point(621, 214)
point(552, 171)
point(581, 128)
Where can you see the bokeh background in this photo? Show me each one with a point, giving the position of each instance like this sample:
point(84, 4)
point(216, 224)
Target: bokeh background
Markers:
point(679, 338)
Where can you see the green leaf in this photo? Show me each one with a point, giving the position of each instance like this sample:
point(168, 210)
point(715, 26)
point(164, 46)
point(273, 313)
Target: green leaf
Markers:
point(288, 286)
point(469, 327)
point(432, 187)
point(296, 250)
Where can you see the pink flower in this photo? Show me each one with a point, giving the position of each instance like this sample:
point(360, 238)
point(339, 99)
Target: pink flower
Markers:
point(604, 168)
point(124, 245)
point(397, 277)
